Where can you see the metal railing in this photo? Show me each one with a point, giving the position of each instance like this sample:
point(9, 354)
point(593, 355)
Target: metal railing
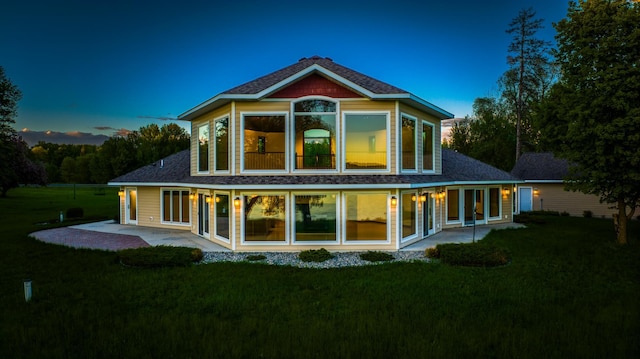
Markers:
point(316, 162)
point(264, 161)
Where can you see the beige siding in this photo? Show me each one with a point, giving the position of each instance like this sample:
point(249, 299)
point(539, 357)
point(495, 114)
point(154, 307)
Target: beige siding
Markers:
point(149, 212)
point(209, 117)
point(555, 198)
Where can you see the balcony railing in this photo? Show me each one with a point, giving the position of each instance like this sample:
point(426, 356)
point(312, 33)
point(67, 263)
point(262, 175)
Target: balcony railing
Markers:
point(316, 162)
point(264, 161)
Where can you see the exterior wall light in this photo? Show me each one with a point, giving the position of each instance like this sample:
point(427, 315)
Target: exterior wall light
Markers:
point(505, 192)
point(536, 191)
point(120, 193)
point(413, 198)
point(217, 199)
point(442, 194)
point(423, 197)
point(208, 199)
point(192, 196)
point(236, 202)
point(394, 201)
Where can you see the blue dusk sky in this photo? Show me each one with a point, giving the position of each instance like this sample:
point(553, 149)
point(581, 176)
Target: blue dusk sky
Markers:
point(90, 68)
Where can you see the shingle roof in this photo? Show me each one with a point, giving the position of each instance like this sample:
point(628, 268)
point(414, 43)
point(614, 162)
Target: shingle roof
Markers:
point(262, 83)
point(456, 168)
point(540, 166)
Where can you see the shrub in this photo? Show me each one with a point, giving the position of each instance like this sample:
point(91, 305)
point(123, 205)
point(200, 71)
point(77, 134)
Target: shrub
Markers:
point(587, 214)
point(160, 256)
point(372, 256)
point(432, 252)
point(75, 212)
point(529, 218)
point(256, 257)
point(473, 254)
point(315, 255)
point(564, 214)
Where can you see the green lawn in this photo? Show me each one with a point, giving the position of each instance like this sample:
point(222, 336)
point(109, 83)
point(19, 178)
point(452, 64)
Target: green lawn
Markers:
point(569, 292)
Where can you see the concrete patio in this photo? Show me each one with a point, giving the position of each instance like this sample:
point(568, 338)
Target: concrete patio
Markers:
point(175, 237)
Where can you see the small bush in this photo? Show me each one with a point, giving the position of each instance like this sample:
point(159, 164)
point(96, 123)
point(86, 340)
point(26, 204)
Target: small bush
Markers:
point(75, 212)
point(372, 256)
point(564, 214)
point(256, 257)
point(587, 214)
point(315, 255)
point(432, 252)
point(473, 254)
point(160, 256)
point(529, 218)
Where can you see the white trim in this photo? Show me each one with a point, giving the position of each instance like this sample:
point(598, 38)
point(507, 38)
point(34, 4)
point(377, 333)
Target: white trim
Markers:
point(205, 194)
point(520, 188)
point(343, 163)
point(215, 139)
point(389, 218)
point(127, 205)
point(433, 148)
point(287, 151)
point(446, 206)
point(232, 124)
point(215, 216)
point(292, 219)
point(543, 181)
point(242, 218)
point(499, 217)
point(171, 222)
point(399, 152)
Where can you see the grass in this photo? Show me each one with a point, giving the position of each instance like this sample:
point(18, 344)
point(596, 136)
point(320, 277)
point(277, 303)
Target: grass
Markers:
point(568, 292)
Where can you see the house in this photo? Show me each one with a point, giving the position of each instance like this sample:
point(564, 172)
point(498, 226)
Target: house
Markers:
point(315, 155)
point(543, 188)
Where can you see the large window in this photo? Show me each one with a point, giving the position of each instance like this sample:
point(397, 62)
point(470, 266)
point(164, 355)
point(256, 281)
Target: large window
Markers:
point(366, 216)
point(221, 144)
point(264, 142)
point(175, 206)
point(222, 215)
point(203, 148)
point(427, 146)
point(408, 143)
point(494, 202)
point(453, 205)
point(365, 141)
point(264, 218)
point(315, 217)
point(409, 213)
point(315, 131)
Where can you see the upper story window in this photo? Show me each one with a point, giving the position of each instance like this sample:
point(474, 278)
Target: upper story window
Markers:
point(366, 137)
point(315, 134)
point(203, 148)
point(427, 146)
point(264, 138)
point(408, 143)
point(221, 144)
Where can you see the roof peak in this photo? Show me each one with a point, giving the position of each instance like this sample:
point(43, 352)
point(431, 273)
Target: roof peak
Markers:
point(315, 58)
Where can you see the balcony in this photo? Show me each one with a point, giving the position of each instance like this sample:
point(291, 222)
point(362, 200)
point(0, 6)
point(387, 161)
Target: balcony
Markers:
point(264, 161)
point(322, 162)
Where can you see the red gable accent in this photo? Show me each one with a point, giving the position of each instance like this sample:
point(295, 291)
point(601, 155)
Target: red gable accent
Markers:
point(315, 85)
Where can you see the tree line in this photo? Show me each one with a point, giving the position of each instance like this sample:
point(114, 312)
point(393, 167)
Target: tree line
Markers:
point(118, 155)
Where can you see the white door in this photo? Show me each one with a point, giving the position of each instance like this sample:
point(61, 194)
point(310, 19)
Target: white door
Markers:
point(525, 199)
point(203, 214)
point(474, 207)
point(131, 206)
point(428, 215)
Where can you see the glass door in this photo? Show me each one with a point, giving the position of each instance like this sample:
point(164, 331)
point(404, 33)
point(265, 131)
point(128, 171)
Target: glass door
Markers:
point(428, 216)
point(203, 214)
point(131, 206)
point(474, 201)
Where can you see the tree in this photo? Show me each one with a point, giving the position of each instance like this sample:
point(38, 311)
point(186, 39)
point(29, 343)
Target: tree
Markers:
point(528, 77)
point(592, 117)
point(9, 97)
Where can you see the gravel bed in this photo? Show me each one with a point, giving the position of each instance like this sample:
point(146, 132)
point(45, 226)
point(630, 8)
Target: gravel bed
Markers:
point(340, 259)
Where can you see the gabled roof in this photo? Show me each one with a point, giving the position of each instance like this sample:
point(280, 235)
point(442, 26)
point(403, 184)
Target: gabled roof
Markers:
point(457, 169)
point(540, 166)
point(356, 81)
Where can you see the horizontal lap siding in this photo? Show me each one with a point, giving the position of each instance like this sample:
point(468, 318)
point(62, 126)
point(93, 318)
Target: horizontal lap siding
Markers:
point(437, 129)
point(149, 212)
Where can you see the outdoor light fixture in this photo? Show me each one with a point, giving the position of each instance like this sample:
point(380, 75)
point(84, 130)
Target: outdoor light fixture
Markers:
point(394, 201)
point(413, 198)
point(536, 191)
point(192, 196)
point(217, 199)
point(441, 194)
point(505, 192)
point(423, 197)
point(236, 202)
point(433, 195)
point(208, 199)
point(120, 193)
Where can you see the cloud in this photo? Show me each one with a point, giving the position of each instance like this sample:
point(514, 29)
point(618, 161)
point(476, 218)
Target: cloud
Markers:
point(104, 128)
point(161, 118)
point(72, 138)
point(122, 132)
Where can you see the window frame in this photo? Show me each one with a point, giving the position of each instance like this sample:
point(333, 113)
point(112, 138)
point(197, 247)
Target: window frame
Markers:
point(336, 139)
point(214, 195)
point(400, 206)
point(171, 211)
point(499, 216)
point(292, 218)
point(243, 115)
point(242, 218)
point(215, 148)
point(343, 153)
point(460, 206)
point(388, 222)
point(198, 150)
point(415, 144)
point(433, 147)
